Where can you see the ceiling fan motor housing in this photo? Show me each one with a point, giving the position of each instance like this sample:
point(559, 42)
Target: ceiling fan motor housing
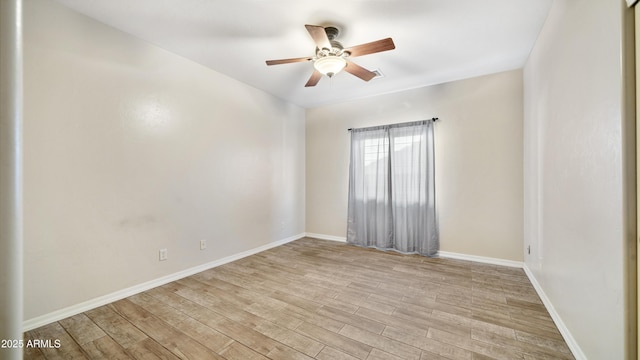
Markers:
point(332, 32)
point(336, 46)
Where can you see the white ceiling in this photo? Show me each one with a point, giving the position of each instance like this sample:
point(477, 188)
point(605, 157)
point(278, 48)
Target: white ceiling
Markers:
point(436, 40)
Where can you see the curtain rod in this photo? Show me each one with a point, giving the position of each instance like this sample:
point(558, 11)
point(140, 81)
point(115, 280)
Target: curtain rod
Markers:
point(432, 119)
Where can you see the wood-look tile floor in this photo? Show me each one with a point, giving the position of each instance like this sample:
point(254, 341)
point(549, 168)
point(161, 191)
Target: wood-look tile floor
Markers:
point(315, 299)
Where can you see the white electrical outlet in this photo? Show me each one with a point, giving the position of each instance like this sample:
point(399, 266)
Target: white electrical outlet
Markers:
point(163, 254)
point(203, 244)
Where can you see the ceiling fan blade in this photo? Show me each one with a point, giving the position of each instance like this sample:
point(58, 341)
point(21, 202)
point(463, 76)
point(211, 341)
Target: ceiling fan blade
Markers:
point(319, 36)
point(313, 80)
point(288, 61)
point(359, 71)
point(372, 47)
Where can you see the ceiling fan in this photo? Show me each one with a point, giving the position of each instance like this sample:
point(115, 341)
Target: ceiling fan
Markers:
point(331, 57)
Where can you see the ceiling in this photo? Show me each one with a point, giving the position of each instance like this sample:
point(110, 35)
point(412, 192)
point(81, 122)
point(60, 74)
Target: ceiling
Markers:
point(436, 40)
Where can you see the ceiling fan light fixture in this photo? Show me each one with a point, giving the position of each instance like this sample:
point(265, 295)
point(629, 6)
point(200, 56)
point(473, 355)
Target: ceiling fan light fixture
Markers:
point(330, 65)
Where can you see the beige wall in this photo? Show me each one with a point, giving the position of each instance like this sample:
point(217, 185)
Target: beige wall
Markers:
point(11, 238)
point(573, 171)
point(478, 160)
point(129, 149)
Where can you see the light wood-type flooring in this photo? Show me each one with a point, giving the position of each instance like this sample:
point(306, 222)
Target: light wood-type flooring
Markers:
point(315, 299)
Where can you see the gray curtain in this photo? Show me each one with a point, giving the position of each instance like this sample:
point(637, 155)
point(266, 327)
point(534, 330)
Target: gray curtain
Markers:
point(392, 188)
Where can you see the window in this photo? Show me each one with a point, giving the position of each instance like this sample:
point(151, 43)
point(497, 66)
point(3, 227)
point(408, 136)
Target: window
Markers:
point(391, 188)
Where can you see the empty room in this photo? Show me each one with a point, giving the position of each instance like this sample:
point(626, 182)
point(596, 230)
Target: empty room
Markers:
point(217, 179)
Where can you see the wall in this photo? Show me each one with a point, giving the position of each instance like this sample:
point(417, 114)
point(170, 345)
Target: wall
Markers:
point(129, 149)
point(11, 238)
point(479, 190)
point(573, 172)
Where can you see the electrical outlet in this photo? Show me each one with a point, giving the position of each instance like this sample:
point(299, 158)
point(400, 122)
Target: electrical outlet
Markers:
point(203, 244)
point(163, 254)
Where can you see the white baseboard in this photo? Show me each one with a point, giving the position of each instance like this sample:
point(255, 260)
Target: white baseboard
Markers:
point(566, 334)
point(326, 237)
point(121, 294)
point(444, 254)
point(481, 259)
